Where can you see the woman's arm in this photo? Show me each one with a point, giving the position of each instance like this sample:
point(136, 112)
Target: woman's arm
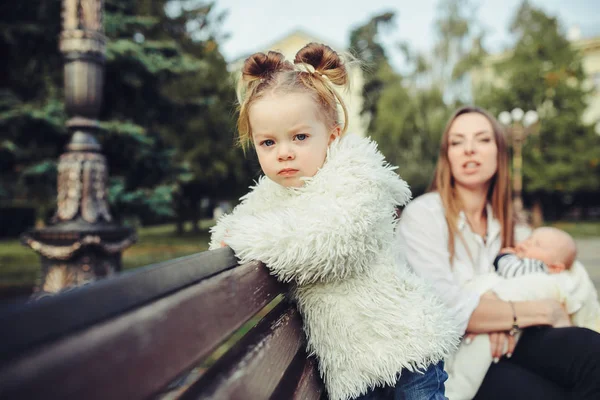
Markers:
point(424, 233)
point(492, 315)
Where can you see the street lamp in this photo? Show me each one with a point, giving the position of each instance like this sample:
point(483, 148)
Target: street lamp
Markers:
point(519, 125)
point(82, 242)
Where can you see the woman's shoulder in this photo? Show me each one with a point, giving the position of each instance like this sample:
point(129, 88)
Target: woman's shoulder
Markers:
point(430, 202)
point(423, 213)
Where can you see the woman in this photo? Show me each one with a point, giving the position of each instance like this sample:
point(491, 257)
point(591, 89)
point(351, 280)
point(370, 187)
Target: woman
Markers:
point(453, 234)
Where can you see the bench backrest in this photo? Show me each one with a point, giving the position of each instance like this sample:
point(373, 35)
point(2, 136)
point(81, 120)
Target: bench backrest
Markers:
point(133, 335)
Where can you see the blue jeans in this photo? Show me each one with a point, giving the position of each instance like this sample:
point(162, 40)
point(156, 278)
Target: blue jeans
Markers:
point(425, 385)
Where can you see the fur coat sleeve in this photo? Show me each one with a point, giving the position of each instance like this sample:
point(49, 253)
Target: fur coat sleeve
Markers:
point(331, 228)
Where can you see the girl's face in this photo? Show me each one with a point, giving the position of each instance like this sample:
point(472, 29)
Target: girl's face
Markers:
point(472, 151)
point(290, 139)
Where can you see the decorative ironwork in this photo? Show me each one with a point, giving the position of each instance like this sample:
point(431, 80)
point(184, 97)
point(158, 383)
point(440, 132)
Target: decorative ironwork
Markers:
point(62, 276)
point(82, 187)
point(82, 243)
point(66, 252)
point(83, 14)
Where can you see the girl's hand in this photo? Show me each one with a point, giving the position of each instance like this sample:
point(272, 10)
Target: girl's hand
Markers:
point(223, 244)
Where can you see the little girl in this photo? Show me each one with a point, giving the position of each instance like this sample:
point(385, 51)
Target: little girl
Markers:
point(323, 218)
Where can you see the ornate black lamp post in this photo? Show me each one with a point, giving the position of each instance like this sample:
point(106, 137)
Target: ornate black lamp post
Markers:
point(81, 243)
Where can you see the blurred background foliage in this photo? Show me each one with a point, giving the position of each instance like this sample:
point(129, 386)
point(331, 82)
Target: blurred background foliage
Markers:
point(168, 119)
point(542, 71)
point(168, 116)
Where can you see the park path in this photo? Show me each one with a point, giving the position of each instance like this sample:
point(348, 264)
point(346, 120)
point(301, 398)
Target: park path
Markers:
point(589, 254)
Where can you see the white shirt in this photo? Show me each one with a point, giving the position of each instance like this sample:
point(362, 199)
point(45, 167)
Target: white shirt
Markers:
point(423, 233)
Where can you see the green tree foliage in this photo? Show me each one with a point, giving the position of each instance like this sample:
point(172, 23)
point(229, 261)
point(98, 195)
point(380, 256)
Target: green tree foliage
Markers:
point(167, 111)
point(407, 127)
point(458, 48)
point(137, 110)
point(366, 45)
point(204, 129)
point(543, 72)
point(32, 115)
point(407, 110)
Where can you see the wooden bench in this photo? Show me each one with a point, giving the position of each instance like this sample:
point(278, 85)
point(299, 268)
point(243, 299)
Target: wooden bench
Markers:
point(144, 333)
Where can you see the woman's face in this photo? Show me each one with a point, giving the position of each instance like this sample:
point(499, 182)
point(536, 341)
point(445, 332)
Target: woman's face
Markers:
point(472, 151)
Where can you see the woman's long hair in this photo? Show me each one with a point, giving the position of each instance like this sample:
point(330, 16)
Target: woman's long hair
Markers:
point(499, 193)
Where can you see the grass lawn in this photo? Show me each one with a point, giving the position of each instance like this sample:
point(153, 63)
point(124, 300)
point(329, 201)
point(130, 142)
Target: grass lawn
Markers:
point(19, 265)
point(579, 229)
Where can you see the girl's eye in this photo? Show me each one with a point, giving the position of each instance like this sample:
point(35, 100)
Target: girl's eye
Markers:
point(267, 143)
point(301, 136)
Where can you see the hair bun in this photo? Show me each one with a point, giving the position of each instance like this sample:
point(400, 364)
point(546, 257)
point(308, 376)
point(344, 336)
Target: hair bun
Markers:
point(263, 66)
point(324, 60)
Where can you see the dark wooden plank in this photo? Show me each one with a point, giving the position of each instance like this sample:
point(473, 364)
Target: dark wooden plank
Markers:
point(136, 355)
point(26, 325)
point(311, 385)
point(253, 367)
point(301, 380)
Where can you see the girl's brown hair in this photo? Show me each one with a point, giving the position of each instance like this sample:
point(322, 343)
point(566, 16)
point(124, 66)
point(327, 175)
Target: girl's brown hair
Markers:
point(499, 193)
point(315, 70)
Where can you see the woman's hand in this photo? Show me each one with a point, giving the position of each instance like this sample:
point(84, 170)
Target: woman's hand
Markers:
point(557, 315)
point(501, 344)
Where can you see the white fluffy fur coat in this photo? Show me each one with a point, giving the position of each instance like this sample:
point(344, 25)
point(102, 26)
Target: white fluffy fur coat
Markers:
point(366, 316)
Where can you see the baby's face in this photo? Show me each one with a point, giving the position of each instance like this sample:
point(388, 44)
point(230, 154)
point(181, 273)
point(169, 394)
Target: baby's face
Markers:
point(545, 245)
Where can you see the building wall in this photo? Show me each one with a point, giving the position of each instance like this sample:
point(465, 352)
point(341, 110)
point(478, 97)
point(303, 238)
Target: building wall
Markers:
point(289, 46)
point(590, 49)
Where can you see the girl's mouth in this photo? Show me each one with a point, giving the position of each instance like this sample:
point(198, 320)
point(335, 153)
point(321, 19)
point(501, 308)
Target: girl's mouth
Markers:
point(288, 172)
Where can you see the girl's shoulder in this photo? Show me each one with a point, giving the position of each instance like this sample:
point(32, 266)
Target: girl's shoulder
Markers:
point(355, 168)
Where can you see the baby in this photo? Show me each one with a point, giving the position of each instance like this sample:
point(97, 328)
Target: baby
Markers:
point(540, 267)
point(547, 250)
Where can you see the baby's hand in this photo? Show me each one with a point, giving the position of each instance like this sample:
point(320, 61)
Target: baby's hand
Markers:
point(508, 250)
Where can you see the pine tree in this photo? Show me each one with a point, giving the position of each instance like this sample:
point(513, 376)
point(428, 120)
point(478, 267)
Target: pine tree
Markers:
point(167, 110)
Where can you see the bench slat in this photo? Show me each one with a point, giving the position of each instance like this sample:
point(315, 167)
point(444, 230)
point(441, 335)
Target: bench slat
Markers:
point(253, 368)
point(25, 325)
point(155, 343)
point(301, 380)
point(310, 386)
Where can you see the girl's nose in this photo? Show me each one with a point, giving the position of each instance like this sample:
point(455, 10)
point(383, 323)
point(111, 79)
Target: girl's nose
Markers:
point(285, 153)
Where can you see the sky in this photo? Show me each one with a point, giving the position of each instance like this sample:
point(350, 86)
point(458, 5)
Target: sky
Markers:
point(254, 24)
